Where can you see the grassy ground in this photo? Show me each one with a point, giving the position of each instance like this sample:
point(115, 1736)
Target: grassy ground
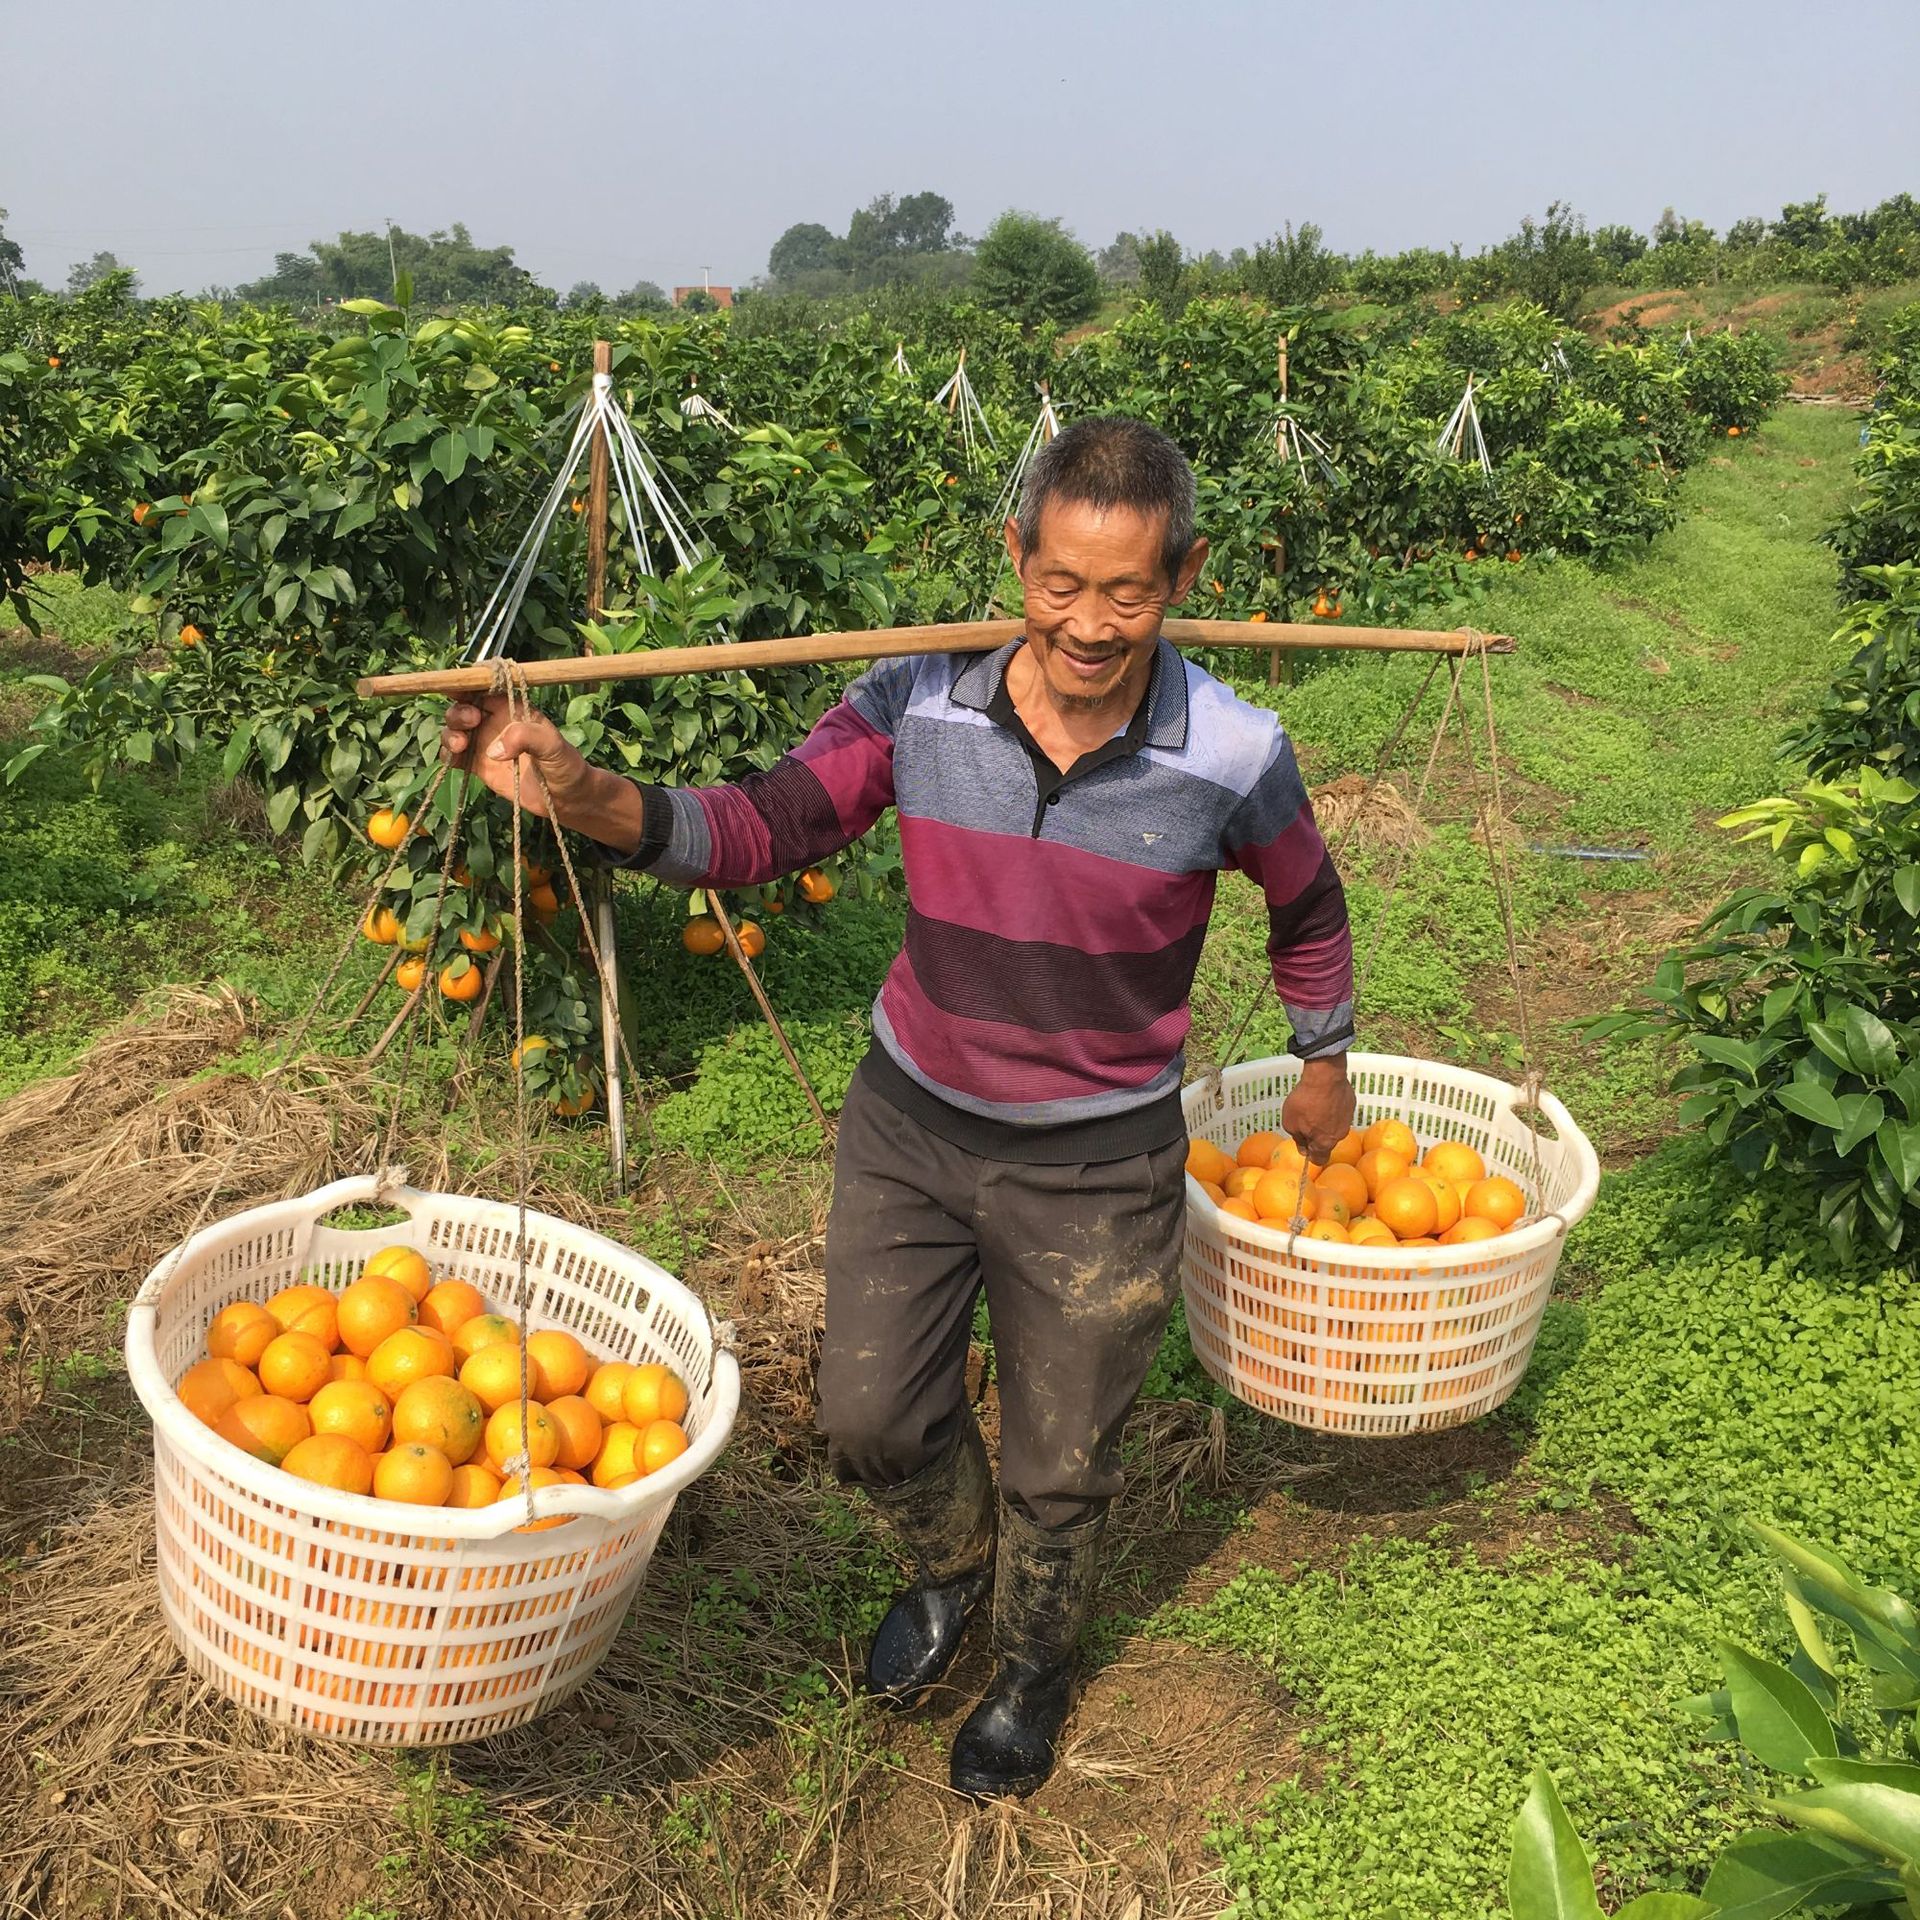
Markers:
point(1323, 1668)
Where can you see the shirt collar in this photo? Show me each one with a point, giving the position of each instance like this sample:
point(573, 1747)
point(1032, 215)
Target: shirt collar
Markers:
point(978, 684)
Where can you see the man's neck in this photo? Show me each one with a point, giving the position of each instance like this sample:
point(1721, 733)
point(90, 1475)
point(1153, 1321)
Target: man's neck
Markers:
point(1064, 729)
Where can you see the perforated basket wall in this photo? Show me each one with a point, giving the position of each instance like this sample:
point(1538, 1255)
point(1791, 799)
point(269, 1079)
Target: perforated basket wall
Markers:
point(1381, 1340)
point(384, 1624)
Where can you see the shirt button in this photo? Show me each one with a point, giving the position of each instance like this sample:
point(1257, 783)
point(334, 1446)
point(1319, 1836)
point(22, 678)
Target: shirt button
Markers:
point(1053, 799)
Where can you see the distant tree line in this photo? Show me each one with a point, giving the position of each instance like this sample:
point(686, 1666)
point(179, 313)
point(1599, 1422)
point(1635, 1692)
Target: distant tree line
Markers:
point(1029, 266)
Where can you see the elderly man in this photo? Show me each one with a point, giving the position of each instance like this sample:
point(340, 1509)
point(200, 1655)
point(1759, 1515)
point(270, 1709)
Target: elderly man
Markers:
point(1064, 805)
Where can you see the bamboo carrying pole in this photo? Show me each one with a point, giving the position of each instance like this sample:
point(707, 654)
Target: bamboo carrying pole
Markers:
point(892, 643)
point(1274, 675)
point(601, 886)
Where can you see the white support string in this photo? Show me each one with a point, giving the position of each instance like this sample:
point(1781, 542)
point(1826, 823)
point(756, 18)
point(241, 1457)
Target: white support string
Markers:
point(647, 495)
point(1046, 426)
point(960, 400)
point(1462, 434)
point(899, 360)
point(1296, 445)
point(696, 406)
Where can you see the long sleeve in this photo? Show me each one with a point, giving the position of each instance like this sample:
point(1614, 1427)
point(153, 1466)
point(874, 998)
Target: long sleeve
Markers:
point(810, 803)
point(1273, 840)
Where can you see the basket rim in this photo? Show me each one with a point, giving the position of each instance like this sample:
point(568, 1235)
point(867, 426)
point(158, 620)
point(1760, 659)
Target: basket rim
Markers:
point(1572, 1141)
point(616, 1506)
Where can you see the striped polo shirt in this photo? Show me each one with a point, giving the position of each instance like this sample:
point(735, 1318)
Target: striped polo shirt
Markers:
point(1038, 1009)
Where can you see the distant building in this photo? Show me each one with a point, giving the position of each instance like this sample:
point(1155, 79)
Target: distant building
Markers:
point(722, 296)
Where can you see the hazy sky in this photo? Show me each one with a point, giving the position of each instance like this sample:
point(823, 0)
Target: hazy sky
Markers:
point(615, 142)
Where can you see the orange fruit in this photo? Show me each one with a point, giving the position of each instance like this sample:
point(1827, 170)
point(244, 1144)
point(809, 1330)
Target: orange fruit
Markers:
point(483, 1330)
point(1283, 1195)
point(331, 1460)
point(702, 935)
point(1205, 1162)
point(479, 939)
point(1392, 1136)
point(1454, 1161)
point(438, 1412)
point(1469, 1226)
point(410, 974)
point(579, 1428)
point(381, 926)
point(308, 1310)
point(541, 1477)
point(1446, 1202)
point(295, 1365)
point(1257, 1150)
point(653, 1393)
point(460, 980)
point(616, 1456)
point(1213, 1193)
point(1341, 1180)
point(416, 1473)
point(265, 1426)
point(607, 1388)
point(492, 1376)
point(241, 1332)
point(387, 828)
point(1240, 1183)
point(1497, 1199)
point(1421, 1240)
point(1329, 1230)
point(450, 1305)
point(1368, 1232)
point(1331, 1206)
point(1348, 1152)
point(503, 1436)
point(372, 1308)
point(752, 937)
point(347, 1366)
point(561, 1366)
point(660, 1442)
point(816, 887)
point(1378, 1165)
point(473, 1486)
point(356, 1410)
point(404, 1265)
point(1240, 1209)
point(1287, 1158)
point(414, 1353)
point(1407, 1207)
point(542, 899)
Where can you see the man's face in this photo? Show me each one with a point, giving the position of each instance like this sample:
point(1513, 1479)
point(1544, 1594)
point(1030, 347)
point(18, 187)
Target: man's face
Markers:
point(1097, 590)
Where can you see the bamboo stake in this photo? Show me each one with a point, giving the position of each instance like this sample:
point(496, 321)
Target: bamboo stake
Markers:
point(745, 965)
point(892, 643)
point(1274, 675)
point(367, 999)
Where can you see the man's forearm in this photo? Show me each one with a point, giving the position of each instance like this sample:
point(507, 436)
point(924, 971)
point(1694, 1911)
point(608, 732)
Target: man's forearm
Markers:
point(608, 808)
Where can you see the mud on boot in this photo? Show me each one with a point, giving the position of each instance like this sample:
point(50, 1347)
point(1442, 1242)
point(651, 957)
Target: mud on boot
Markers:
point(1042, 1595)
point(944, 1515)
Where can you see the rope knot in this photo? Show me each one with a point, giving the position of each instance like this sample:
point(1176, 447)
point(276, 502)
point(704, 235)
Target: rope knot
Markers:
point(726, 1338)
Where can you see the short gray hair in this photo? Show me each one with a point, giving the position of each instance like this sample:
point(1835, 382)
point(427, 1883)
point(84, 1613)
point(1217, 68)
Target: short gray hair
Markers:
point(1111, 461)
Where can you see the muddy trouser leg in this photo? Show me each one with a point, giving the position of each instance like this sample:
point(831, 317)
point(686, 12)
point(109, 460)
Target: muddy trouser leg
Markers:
point(1082, 1267)
point(902, 1276)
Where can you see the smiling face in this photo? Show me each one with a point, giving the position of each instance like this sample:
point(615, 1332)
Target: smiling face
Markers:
point(1097, 590)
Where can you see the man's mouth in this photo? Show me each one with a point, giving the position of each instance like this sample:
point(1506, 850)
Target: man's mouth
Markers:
point(1085, 664)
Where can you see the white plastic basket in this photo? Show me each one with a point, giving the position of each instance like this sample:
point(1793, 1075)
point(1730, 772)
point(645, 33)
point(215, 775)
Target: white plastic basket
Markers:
point(1381, 1340)
point(370, 1621)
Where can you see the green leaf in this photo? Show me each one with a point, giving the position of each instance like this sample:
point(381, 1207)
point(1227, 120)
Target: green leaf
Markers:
point(1764, 1875)
point(353, 517)
point(1870, 1043)
point(449, 456)
point(25, 758)
point(1906, 889)
point(1810, 1101)
point(285, 598)
point(1902, 1774)
point(1828, 1583)
point(1861, 1113)
point(364, 306)
point(1779, 1721)
point(1878, 1819)
point(1900, 1149)
point(1831, 1041)
point(1667, 1906)
point(1549, 1876)
point(211, 517)
point(281, 807)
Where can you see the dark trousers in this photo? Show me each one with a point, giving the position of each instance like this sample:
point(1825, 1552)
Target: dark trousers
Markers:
point(1080, 1265)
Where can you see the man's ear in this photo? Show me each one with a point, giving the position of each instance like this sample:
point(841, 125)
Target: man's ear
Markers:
point(1011, 533)
point(1189, 571)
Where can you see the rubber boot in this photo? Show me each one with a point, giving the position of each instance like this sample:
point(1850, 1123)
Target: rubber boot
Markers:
point(944, 1516)
point(1042, 1594)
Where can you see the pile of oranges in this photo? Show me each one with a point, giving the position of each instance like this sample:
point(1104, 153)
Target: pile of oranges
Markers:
point(1378, 1189)
point(409, 1390)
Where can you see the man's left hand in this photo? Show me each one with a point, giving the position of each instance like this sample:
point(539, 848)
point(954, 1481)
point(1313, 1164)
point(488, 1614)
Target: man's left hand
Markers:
point(1318, 1113)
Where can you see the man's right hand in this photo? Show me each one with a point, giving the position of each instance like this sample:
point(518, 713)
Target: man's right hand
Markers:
point(479, 736)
